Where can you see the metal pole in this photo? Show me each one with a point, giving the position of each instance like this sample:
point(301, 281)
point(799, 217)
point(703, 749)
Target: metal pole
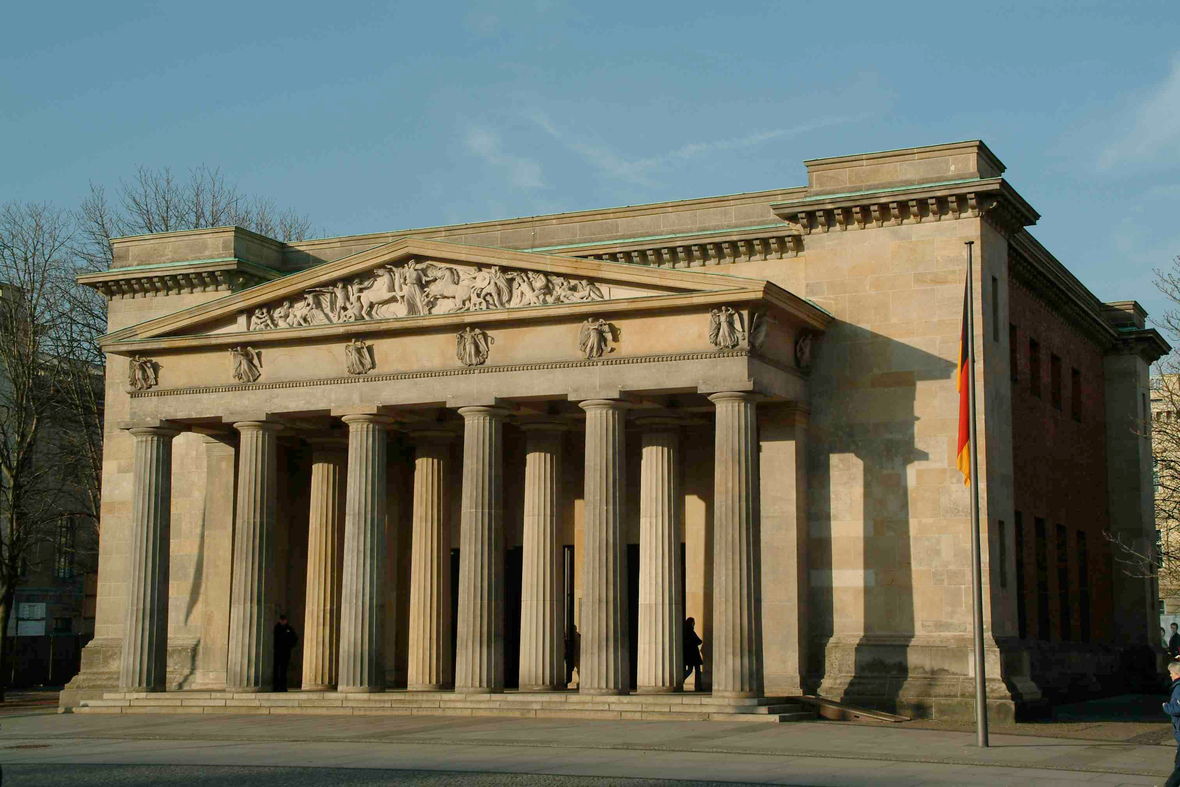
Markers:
point(976, 562)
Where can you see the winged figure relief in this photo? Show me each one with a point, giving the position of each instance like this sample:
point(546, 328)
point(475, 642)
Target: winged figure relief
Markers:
point(594, 338)
point(726, 328)
point(472, 346)
point(247, 364)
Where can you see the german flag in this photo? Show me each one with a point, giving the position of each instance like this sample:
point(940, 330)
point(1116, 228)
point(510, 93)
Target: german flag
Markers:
point(963, 386)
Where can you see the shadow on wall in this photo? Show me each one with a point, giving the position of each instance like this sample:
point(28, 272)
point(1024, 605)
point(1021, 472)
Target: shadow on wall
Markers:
point(869, 500)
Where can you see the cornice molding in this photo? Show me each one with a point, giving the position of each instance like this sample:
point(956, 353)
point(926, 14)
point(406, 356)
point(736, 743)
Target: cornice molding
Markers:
point(701, 249)
point(223, 275)
point(891, 207)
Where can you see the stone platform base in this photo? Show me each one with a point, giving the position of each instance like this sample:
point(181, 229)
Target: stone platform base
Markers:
point(540, 705)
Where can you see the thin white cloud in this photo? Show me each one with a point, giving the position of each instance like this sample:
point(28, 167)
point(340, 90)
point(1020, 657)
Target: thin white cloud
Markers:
point(640, 170)
point(1156, 128)
point(522, 172)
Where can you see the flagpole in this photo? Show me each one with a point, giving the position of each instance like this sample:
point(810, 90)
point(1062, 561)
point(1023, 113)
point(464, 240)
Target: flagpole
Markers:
point(976, 562)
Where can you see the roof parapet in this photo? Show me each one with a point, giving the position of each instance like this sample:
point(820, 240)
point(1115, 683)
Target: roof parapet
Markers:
point(905, 167)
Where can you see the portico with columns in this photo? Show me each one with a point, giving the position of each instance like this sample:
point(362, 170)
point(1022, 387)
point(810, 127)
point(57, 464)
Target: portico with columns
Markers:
point(537, 449)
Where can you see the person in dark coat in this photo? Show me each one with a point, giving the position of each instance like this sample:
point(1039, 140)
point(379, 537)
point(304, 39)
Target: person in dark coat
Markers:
point(1174, 643)
point(285, 639)
point(692, 652)
point(1172, 708)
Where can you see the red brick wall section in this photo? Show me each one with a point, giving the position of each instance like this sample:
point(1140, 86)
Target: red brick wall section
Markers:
point(1059, 465)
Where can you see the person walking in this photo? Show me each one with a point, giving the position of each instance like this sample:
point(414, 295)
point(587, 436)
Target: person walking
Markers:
point(1172, 708)
point(1174, 643)
point(692, 653)
point(285, 639)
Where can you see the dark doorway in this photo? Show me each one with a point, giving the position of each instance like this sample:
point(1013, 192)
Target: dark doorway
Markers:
point(571, 632)
point(633, 611)
point(454, 612)
point(513, 574)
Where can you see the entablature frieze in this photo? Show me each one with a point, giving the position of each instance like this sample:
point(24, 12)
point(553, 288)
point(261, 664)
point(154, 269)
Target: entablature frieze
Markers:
point(770, 242)
point(990, 198)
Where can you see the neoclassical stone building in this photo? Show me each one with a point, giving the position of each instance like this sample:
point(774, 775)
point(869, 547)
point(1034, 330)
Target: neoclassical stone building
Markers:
point(517, 454)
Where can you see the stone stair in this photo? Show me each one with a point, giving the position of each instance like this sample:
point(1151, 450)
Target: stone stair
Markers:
point(536, 705)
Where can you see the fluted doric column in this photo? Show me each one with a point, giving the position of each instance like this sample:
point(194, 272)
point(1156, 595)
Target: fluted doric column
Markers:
point(661, 611)
point(362, 591)
point(737, 591)
point(325, 563)
point(145, 628)
point(480, 637)
point(251, 627)
point(542, 656)
point(604, 664)
point(430, 554)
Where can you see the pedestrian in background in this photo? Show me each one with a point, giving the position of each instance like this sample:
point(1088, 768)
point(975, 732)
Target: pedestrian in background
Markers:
point(692, 652)
point(1172, 708)
point(285, 639)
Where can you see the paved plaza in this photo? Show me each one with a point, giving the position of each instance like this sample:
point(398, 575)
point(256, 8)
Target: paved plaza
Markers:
point(40, 748)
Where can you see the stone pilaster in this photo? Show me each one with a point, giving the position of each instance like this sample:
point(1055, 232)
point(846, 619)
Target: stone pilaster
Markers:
point(661, 611)
point(362, 595)
point(542, 654)
point(737, 590)
point(604, 662)
point(480, 637)
point(145, 629)
point(325, 564)
point(430, 556)
point(251, 617)
point(217, 545)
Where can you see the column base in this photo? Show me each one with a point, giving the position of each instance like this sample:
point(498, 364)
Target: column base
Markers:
point(156, 689)
point(478, 690)
point(248, 689)
point(602, 692)
point(360, 689)
point(659, 690)
point(735, 695)
point(427, 687)
point(316, 687)
point(545, 687)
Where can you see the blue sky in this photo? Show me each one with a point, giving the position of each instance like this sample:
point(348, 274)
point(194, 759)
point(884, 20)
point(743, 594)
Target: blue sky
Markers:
point(384, 116)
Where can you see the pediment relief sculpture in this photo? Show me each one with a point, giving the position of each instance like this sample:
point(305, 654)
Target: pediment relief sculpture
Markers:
point(247, 364)
point(472, 346)
point(358, 357)
point(142, 373)
point(416, 288)
point(595, 337)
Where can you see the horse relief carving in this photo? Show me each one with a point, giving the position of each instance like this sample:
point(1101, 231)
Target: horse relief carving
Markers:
point(415, 288)
point(358, 357)
point(595, 337)
point(472, 346)
point(247, 364)
point(142, 373)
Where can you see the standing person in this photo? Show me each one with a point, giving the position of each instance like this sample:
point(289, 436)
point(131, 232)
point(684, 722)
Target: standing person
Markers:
point(692, 652)
point(1172, 708)
point(1174, 643)
point(285, 639)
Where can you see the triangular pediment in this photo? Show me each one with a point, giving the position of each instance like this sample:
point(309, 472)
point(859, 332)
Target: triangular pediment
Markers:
point(413, 278)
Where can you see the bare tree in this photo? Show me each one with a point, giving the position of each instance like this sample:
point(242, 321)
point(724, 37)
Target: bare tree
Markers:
point(34, 248)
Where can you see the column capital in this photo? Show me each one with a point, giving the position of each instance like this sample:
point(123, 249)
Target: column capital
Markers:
point(735, 396)
point(604, 404)
point(166, 432)
point(474, 411)
point(257, 426)
point(386, 421)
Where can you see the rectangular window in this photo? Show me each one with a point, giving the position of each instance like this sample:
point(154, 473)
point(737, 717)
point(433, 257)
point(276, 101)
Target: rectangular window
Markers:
point(1021, 611)
point(1003, 556)
point(1012, 355)
point(995, 309)
point(1083, 589)
point(64, 553)
point(1042, 564)
point(1034, 368)
point(1055, 380)
point(1063, 589)
point(1075, 394)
